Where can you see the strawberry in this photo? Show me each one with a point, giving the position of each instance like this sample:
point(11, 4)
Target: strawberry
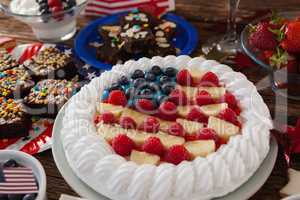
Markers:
point(196, 115)
point(153, 145)
point(230, 116)
point(127, 123)
point(178, 97)
point(144, 105)
point(209, 79)
point(184, 77)
point(208, 134)
point(107, 118)
point(55, 3)
point(291, 43)
point(122, 145)
point(192, 137)
point(230, 99)
point(168, 110)
point(176, 154)
point(262, 38)
point(117, 97)
point(176, 129)
point(282, 59)
point(204, 98)
point(151, 125)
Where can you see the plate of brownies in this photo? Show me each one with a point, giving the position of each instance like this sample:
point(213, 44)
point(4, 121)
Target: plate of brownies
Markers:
point(36, 80)
point(131, 35)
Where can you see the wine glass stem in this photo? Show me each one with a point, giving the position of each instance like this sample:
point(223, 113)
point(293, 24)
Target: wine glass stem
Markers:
point(231, 21)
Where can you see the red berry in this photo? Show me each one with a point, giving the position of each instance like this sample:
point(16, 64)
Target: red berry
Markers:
point(229, 115)
point(208, 134)
point(122, 145)
point(196, 115)
point(144, 105)
point(176, 129)
point(176, 154)
point(230, 100)
point(204, 98)
point(107, 118)
point(291, 42)
point(178, 97)
point(262, 38)
point(54, 3)
point(97, 119)
point(209, 79)
point(167, 108)
point(153, 145)
point(151, 125)
point(127, 123)
point(117, 97)
point(184, 77)
point(191, 137)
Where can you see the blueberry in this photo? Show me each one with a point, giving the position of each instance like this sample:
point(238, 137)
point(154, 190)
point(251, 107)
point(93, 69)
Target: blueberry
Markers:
point(164, 79)
point(139, 82)
point(11, 163)
point(44, 6)
point(146, 92)
point(124, 80)
point(105, 95)
point(29, 197)
point(115, 86)
point(130, 93)
point(137, 74)
point(170, 71)
point(15, 196)
point(161, 98)
point(156, 70)
point(167, 88)
point(153, 86)
point(150, 77)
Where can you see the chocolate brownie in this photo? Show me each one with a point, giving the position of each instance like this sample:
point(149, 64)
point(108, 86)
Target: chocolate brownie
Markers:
point(112, 53)
point(138, 17)
point(165, 29)
point(14, 122)
point(49, 95)
point(7, 61)
point(15, 82)
point(109, 32)
point(51, 63)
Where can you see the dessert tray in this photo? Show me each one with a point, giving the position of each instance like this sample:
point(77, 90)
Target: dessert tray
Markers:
point(185, 39)
point(40, 127)
point(203, 161)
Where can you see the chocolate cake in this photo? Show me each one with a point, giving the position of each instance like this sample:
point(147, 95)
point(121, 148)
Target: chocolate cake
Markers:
point(51, 63)
point(7, 61)
point(15, 83)
point(14, 122)
point(49, 95)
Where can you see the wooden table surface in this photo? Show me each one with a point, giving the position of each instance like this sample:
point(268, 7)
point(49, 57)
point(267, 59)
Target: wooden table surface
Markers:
point(199, 13)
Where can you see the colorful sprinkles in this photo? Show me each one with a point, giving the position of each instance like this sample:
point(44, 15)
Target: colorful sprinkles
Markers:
point(10, 110)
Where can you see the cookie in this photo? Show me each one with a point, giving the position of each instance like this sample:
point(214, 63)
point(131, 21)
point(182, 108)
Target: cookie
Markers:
point(51, 63)
point(48, 96)
point(14, 122)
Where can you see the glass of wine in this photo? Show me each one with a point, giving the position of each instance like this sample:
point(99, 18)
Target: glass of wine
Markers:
point(228, 43)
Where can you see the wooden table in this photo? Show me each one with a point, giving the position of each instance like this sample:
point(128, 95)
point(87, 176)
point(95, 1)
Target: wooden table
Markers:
point(199, 13)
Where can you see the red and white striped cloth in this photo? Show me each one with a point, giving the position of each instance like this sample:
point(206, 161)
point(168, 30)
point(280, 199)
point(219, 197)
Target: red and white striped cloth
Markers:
point(107, 7)
point(17, 180)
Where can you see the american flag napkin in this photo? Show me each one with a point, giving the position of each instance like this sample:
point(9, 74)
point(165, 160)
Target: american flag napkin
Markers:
point(107, 7)
point(17, 180)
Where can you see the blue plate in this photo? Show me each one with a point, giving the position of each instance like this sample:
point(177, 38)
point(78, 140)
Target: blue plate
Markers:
point(186, 38)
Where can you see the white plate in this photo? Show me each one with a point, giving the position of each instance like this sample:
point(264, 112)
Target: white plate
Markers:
point(244, 192)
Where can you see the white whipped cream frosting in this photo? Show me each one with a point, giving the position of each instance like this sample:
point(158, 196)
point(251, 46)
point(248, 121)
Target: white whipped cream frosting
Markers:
point(94, 161)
